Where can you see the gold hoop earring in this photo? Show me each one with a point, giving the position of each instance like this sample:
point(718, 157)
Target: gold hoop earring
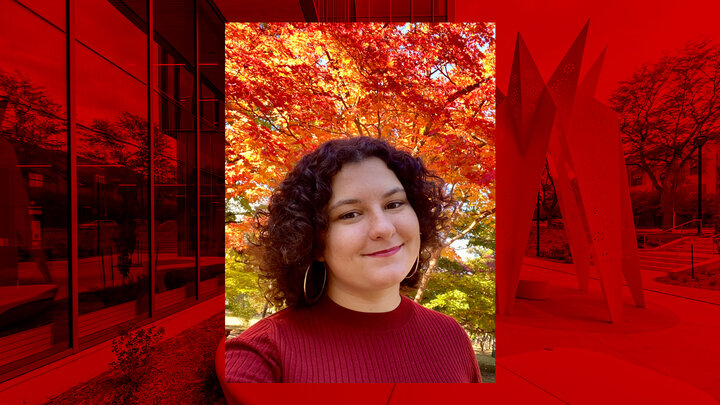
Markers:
point(415, 267)
point(305, 284)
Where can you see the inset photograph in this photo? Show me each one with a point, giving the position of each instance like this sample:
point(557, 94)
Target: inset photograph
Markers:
point(360, 203)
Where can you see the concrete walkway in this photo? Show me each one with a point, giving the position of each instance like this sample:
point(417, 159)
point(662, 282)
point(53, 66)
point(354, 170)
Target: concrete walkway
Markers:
point(562, 350)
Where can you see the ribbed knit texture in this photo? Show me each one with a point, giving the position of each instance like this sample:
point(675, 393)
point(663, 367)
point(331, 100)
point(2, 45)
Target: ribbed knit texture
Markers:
point(329, 343)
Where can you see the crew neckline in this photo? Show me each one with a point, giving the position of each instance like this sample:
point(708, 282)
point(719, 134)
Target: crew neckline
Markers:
point(369, 321)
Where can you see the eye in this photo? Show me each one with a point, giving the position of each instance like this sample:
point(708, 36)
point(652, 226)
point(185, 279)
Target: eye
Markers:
point(394, 205)
point(349, 215)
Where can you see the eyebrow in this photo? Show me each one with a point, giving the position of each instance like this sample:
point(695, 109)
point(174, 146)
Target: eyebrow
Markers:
point(355, 200)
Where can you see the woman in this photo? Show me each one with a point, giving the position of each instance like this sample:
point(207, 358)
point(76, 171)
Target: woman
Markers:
point(352, 222)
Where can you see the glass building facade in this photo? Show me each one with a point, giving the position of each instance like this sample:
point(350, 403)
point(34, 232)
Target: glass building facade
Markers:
point(382, 10)
point(112, 169)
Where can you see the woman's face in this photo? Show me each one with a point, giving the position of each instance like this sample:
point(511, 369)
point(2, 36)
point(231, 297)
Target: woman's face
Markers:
point(373, 235)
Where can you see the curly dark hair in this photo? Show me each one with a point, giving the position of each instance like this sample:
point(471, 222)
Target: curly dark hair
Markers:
point(290, 234)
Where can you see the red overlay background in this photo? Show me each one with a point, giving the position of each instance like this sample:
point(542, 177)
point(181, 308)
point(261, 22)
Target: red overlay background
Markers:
point(634, 34)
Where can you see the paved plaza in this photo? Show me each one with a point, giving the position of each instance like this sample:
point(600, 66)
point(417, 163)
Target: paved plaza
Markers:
point(563, 350)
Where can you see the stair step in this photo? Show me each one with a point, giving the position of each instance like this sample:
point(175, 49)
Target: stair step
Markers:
point(658, 269)
point(677, 256)
point(698, 257)
point(665, 264)
point(667, 255)
point(687, 249)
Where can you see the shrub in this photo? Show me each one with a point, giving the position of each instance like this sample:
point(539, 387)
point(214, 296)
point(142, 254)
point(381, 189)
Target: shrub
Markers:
point(559, 253)
point(133, 349)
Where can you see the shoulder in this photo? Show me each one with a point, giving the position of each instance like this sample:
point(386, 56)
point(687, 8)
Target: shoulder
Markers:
point(254, 356)
point(265, 325)
point(455, 340)
point(427, 315)
point(268, 329)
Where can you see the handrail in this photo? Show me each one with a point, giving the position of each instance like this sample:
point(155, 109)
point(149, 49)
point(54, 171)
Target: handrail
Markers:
point(715, 244)
point(681, 241)
point(646, 236)
point(683, 224)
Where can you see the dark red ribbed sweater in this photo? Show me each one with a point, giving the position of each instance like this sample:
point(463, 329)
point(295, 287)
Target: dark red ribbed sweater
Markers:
point(329, 343)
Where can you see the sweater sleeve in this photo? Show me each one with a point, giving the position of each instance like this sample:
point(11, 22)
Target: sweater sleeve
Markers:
point(253, 356)
point(476, 376)
point(470, 362)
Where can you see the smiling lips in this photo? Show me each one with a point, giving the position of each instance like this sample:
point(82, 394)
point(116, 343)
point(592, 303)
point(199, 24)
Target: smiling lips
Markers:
point(385, 253)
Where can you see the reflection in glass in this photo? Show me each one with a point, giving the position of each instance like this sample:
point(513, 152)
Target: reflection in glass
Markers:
point(212, 210)
point(106, 31)
point(212, 151)
point(175, 184)
point(53, 11)
point(211, 50)
point(382, 10)
point(174, 22)
point(34, 304)
point(112, 156)
point(105, 91)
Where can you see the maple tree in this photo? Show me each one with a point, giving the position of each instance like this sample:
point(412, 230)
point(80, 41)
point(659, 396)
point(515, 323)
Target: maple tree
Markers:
point(426, 88)
point(663, 110)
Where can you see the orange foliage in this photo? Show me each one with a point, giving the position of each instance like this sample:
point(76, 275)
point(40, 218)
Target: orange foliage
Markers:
point(427, 88)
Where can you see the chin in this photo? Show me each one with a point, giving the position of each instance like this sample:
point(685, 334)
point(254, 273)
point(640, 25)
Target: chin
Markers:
point(387, 280)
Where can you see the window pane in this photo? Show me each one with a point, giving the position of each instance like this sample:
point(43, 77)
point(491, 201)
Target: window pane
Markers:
point(105, 91)
point(174, 174)
point(401, 10)
point(211, 103)
point(422, 9)
point(212, 213)
point(212, 151)
point(108, 32)
point(175, 201)
point(53, 11)
point(440, 10)
point(112, 197)
point(174, 25)
point(372, 10)
point(211, 47)
point(34, 305)
point(212, 69)
point(138, 7)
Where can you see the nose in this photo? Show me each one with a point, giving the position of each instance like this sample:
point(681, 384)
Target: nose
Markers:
point(381, 226)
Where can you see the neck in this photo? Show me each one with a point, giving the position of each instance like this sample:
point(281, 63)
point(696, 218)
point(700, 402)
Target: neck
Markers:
point(376, 301)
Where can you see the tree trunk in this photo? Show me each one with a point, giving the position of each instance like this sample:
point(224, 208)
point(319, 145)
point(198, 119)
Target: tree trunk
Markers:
point(667, 198)
point(425, 278)
point(436, 256)
point(666, 207)
point(716, 217)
